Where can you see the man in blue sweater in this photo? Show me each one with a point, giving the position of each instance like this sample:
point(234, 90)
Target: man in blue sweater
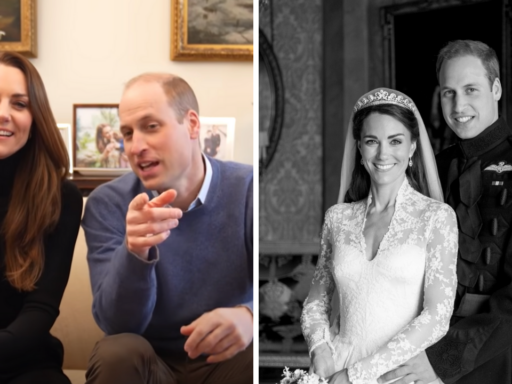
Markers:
point(175, 301)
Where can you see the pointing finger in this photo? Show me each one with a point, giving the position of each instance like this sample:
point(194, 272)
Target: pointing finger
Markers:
point(187, 330)
point(163, 199)
point(139, 201)
point(158, 214)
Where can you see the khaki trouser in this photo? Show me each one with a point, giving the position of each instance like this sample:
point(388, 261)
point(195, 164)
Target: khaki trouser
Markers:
point(130, 359)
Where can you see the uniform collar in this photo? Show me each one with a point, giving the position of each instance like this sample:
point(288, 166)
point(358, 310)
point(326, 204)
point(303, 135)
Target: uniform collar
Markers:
point(486, 140)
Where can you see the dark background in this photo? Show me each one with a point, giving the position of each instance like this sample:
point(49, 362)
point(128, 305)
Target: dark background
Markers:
point(420, 36)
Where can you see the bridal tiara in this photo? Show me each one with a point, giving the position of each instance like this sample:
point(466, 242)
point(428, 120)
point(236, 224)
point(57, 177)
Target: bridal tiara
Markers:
point(383, 97)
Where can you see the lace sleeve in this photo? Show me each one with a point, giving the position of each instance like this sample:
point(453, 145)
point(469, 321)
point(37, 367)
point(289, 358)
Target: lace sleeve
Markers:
point(317, 306)
point(439, 293)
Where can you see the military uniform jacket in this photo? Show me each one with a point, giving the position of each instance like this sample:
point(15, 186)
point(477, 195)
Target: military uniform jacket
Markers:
point(476, 175)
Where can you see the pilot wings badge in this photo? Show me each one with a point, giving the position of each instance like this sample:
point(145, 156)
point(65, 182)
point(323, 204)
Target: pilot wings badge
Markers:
point(501, 167)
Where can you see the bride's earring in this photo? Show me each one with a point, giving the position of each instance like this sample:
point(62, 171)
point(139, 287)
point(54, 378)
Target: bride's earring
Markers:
point(410, 161)
point(362, 162)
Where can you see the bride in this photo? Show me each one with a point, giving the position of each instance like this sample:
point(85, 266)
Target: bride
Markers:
point(389, 249)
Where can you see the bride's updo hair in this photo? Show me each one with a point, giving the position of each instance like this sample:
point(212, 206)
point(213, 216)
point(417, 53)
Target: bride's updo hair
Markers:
point(360, 184)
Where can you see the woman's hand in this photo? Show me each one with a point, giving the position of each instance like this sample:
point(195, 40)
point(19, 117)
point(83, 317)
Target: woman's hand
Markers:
point(340, 377)
point(322, 361)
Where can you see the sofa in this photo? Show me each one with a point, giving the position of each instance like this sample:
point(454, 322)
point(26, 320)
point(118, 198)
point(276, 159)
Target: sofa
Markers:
point(75, 326)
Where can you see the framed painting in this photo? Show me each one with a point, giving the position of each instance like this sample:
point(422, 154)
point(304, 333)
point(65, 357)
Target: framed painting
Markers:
point(65, 131)
point(220, 30)
point(217, 137)
point(98, 147)
point(18, 26)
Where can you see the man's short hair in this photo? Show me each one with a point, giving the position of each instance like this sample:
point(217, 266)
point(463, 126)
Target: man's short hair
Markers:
point(179, 93)
point(459, 48)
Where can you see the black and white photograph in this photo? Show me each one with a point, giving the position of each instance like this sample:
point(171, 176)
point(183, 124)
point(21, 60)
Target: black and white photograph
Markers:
point(385, 208)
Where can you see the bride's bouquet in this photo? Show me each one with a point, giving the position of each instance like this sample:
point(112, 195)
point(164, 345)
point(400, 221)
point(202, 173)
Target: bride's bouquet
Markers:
point(300, 377)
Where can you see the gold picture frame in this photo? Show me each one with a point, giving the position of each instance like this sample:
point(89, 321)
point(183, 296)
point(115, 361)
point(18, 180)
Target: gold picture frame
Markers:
point(211, 32)
point(22, 24)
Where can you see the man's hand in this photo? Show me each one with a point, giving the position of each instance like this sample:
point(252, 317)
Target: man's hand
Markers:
point(322, 362)
point(340, 377)
point(221, 333)
point(414, 370)
point(148, 223)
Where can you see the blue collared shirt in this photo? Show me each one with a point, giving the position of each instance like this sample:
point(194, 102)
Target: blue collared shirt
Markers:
point(203, 192)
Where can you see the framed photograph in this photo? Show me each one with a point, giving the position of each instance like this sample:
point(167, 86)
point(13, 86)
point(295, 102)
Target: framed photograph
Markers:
point(219, 30)
point(217, 137)
point(18, 26)
point(65, 131)
point(98, 147)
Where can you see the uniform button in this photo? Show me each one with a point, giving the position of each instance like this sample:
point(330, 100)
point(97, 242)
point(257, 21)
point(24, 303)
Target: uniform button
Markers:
point(503, 197)
point(494, 226)
point(481, 283)
point(488, 255)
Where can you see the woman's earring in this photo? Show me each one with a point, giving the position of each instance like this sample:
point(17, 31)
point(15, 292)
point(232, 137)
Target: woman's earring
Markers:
point(362, 162)
point(410, 161)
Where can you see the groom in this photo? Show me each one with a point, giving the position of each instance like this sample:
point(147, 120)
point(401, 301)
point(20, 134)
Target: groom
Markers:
point(476, 175)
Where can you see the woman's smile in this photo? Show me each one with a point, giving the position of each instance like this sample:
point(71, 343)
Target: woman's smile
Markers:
point(384, 167)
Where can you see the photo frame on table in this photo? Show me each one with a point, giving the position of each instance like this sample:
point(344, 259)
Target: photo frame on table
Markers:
point(18, 26)
point(65, 131)
point(221, 30)
point(217, 137)
point(98, 146)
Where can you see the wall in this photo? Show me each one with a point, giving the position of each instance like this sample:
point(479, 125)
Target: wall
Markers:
point(290, 189)
point(88, 49)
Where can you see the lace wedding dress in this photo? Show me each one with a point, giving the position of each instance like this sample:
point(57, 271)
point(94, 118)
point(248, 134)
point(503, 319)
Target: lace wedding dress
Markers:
point(393, 306)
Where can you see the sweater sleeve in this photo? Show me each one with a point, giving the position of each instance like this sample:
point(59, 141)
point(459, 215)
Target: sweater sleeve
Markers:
point(123, 285)
point(41, 306)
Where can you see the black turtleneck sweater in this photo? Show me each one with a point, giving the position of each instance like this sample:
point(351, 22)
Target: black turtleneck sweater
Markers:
point(476, 175)
point(27, 317)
